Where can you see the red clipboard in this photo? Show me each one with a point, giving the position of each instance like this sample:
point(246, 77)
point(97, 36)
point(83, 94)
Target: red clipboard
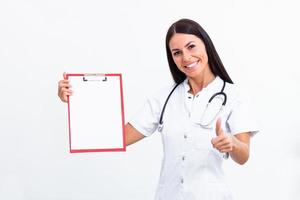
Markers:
point(96, 113)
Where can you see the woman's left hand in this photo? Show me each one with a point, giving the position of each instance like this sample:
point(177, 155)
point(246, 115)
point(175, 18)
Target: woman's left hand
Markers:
point(222, 142)
point(236, 145)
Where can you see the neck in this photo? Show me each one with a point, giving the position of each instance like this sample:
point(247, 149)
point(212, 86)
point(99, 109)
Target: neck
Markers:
point(200, 82)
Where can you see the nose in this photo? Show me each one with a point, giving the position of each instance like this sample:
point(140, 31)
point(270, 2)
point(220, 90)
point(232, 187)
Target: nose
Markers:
point(186, 56)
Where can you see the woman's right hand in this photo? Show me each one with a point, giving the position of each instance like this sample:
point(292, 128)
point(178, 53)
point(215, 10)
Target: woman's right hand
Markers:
point(64, 89)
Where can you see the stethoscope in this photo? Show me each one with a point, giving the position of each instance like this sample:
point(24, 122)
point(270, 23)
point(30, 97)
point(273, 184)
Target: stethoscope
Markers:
point(201, 123)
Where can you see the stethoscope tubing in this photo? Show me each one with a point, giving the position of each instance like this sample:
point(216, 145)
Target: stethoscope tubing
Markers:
point(160, 124)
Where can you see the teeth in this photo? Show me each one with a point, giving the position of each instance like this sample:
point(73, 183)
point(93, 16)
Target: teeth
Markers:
point(192, 65)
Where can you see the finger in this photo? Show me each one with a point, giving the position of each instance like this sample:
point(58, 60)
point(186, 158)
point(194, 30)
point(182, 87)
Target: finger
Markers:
point(222, 144)
point(63, 81)
point(64, 99)
point(216, 140)
point(64, 91)
point(64, 96)
point(219, 130)
point(64, 84)
point(225, 149)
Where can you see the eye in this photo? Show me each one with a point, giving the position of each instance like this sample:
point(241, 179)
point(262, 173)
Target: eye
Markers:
point(191, 46)
point(176, 53)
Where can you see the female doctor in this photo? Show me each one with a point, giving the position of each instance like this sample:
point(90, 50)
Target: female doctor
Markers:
point(202, 119)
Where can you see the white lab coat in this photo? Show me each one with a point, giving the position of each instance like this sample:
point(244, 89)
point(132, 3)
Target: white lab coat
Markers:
point(191, 167)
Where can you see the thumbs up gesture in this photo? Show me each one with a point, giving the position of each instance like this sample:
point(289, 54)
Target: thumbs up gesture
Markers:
point(222, 142)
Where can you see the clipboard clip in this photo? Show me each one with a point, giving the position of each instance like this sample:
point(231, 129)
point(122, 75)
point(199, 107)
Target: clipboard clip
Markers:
point(94, 77)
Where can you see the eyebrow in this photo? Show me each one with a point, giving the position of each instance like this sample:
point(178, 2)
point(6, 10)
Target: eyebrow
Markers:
point(184, 46)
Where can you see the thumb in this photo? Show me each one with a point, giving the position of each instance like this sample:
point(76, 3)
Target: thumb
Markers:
point(219, 130)
point(65, 75)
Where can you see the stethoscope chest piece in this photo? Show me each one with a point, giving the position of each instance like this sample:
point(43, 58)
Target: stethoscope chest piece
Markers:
point(160, 127)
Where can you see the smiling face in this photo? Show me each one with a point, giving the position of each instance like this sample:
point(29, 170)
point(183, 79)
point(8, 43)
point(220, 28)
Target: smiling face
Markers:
point(189, 55)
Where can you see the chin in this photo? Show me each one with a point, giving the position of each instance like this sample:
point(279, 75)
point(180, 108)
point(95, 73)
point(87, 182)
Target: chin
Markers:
point(195, 73)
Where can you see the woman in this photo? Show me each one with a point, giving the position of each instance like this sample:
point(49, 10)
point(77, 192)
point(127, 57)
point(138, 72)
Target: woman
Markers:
point(196, 137)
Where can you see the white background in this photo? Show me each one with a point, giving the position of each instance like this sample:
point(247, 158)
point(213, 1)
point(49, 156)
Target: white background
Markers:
point(257, 40)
